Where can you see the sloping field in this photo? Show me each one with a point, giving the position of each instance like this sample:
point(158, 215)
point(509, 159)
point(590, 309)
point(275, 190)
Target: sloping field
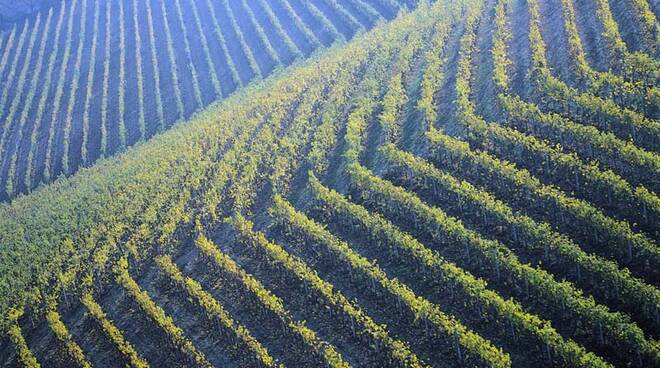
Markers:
point(91, 77)
point(472, 184)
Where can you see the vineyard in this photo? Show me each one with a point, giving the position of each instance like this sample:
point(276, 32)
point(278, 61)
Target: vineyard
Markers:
point(470, 183)
point(90, 78)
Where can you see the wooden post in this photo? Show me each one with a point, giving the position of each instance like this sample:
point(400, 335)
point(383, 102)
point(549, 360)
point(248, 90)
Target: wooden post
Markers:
point(458, 347)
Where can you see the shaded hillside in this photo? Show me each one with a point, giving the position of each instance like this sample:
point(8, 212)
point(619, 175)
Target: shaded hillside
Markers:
point(14, 11)
point(473, 184)
point(89, 78)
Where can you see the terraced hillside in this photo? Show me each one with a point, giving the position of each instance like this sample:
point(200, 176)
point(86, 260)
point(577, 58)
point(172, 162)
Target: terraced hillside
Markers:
point(473, 184)
point(90, 77)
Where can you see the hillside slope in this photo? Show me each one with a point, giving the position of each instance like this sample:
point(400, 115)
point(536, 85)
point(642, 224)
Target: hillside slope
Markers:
point(89, 78)
point(473, 184)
